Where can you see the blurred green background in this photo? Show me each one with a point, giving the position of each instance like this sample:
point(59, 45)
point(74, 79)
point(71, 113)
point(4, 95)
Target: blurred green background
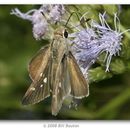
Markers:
point(109, 92)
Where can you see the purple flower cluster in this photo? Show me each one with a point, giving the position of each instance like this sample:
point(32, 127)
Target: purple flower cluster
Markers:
point(87, 43)
point(92, 41)
point(41, 17)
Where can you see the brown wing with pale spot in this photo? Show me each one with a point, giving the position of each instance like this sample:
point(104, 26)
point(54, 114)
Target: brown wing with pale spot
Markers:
point(37, 91)
point(79, 85)
point(39, 62)
point(40, 88)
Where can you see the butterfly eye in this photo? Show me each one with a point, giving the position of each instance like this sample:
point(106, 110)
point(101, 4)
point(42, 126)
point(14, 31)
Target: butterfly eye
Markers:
point(65, 34)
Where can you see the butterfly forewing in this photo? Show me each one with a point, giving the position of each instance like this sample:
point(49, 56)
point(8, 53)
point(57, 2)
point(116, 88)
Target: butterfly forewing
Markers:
point(39, 62)
point(40, 88)
point(37, 91)
point(79, 85)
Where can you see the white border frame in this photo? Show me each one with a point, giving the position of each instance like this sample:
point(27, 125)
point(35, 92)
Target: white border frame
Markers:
point(64, 2)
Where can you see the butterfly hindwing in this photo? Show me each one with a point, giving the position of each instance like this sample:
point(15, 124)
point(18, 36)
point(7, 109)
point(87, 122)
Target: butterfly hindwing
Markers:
point(61, 86)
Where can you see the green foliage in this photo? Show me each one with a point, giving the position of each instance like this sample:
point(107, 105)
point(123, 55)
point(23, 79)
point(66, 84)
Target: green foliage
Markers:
point(109, 91)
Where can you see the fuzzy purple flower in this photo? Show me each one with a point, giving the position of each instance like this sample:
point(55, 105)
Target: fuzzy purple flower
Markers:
point(56, 13)
point(89, 43)
point(39, 22)
point(84, 47)
point(109, 39)
point(41, 18)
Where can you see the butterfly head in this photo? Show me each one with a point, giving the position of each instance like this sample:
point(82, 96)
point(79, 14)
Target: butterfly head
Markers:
point(61, 32)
